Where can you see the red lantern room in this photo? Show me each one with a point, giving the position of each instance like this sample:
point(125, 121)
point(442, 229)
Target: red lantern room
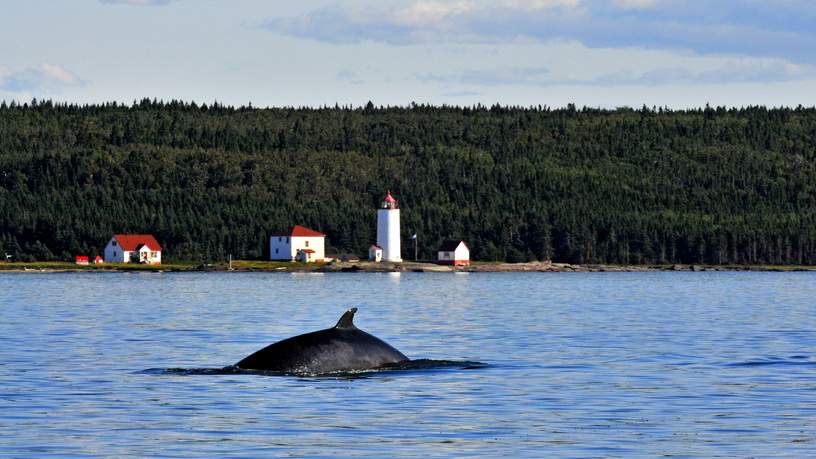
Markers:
point(389, 202)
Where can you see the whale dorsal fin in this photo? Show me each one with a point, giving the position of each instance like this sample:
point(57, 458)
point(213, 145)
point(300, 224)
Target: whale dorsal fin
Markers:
point(347, 321)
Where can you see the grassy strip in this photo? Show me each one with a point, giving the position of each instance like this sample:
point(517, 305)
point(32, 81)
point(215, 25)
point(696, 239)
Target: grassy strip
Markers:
point(258, 265)
point(68, 266)
point(238, 265)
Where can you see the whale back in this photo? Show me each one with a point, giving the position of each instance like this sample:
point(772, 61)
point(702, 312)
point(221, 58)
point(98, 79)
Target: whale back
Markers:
point(343, 347)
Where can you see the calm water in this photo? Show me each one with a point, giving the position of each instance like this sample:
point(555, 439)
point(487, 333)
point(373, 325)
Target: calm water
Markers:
point(579, 365)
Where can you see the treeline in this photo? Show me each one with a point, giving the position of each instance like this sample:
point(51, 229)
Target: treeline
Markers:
point(713, 185)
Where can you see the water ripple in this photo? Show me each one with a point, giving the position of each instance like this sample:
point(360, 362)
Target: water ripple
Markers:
point(419, 365)
point(578, 365)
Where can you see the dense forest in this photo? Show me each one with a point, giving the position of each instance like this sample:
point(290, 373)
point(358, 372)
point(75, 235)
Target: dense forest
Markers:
point(648, 185)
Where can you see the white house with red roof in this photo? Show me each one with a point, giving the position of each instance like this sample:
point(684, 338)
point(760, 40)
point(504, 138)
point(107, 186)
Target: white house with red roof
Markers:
point(133, 248)
point(298, 243)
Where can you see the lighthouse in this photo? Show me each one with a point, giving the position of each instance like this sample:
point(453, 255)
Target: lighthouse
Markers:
point(388, 229)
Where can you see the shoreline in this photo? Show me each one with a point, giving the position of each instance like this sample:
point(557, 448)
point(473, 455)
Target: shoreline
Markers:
point(240, 266)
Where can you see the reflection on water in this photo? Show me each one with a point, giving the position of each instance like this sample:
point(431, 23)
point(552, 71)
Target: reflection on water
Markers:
point(426, 366)
point(575, 364)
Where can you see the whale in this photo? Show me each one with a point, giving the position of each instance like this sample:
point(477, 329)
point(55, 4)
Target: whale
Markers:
point(342, 348)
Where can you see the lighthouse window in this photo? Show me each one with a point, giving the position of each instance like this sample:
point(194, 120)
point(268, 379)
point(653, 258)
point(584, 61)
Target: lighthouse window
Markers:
point(307, 243)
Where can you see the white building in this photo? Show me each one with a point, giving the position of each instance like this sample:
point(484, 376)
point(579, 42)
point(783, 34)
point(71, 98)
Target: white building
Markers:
point(375, 253)
point(299, 243)
point(133, 248)
point(454, 253)
point(388, 229)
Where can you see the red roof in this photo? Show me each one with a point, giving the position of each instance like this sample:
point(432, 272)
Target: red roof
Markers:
point(300, 231)
point(307, 251)
point(375, 247)
point(131, 242)
point(389, 198)
point(81, 258)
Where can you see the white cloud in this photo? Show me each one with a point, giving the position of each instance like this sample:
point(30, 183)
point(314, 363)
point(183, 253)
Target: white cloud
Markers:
point(538, 4)
point(730, 71)
point(469, 94)
point(726, 27)
point(423, 12)
point(43, 77)
point(528, 76)
point(137, 2)
point(635, 4)
point(59, 74)
point(347, 76)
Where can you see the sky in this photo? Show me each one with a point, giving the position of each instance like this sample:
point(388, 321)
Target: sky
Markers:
point(597, 53)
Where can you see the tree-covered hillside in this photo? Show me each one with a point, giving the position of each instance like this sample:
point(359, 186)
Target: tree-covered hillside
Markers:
point(614, 186)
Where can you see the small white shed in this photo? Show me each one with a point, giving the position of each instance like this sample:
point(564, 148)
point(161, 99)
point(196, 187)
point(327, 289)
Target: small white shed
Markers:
point(454, 252)
point(375, 253)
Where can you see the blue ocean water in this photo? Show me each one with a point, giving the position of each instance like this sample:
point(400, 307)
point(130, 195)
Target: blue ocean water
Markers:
point(577, 365)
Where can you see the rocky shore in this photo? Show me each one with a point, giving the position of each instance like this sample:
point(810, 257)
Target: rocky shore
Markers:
point(541, 266)
point(367, 266)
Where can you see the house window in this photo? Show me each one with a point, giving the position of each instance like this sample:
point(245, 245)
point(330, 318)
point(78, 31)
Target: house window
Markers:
point(113, 243)
point(280, 238)
point(276, 250)
point(307, 243)
point(287, 239)
point(114, 253)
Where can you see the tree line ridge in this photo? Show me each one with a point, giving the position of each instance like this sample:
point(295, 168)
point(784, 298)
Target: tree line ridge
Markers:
point(651, 185)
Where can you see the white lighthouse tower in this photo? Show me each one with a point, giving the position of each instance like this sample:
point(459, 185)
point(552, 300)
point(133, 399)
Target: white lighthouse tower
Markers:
point(388, 229)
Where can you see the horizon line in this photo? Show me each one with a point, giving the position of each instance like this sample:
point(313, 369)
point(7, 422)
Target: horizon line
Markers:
point(571, 106)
